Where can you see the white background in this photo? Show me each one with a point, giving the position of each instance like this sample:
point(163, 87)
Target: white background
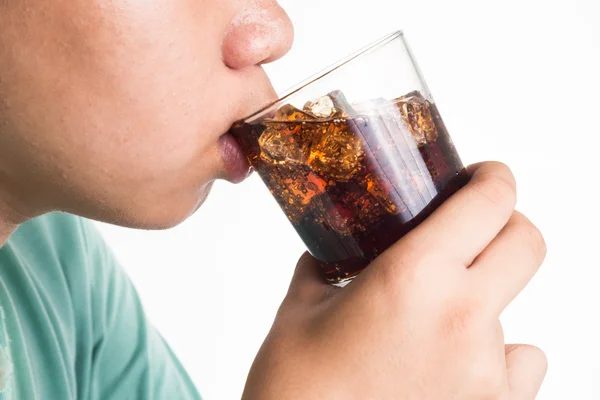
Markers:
point(515, 80)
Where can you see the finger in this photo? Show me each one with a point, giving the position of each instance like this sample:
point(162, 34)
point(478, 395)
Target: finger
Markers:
point(468, 221)
point(505, 267)
point(308, 283)
point(526, 368)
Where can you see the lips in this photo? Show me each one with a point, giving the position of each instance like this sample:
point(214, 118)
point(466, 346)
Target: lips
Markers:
point(236, 165)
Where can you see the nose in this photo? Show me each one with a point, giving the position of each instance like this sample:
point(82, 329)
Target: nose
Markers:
point(258, 34)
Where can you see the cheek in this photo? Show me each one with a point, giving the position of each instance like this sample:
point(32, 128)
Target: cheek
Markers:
point(129, 105)
point(160, 117)
point(169, 153)
point(151, 179)
point(147, 78)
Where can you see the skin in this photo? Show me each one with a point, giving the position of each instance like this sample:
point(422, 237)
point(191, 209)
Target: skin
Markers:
point(422, 321)
point(114, 110)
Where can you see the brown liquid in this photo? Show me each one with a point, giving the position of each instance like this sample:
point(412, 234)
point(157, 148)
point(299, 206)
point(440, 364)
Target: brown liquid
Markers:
point(354, 182)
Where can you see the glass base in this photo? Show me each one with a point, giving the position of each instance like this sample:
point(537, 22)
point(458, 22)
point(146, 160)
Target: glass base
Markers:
point(342, 282)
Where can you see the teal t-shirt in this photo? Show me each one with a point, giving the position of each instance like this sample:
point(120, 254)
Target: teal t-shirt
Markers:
point(71, 324)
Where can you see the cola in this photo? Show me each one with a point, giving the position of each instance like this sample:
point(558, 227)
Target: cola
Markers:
point(353, 179)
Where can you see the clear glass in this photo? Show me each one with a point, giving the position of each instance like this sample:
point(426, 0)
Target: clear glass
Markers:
point(356, 156)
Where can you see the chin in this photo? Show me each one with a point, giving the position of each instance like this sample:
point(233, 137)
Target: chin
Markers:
point(159, 215)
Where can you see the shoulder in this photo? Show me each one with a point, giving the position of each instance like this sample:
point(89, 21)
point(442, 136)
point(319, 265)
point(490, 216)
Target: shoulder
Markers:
point(56, 230)
point(61, 262)
point(66, 294)
point(62, 254)
point(58, 238)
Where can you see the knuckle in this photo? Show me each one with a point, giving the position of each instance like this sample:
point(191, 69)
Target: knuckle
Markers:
point(485, 382)
point(303, 262)
point(399, 266)
point(460, 318)
point(532, 238)
point(297, 294)
point(394, 275)
point(484, 379)
point(497, 189)
point(500, 169)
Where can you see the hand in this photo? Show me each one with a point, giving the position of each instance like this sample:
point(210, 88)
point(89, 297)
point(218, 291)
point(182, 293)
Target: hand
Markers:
point(422, 321)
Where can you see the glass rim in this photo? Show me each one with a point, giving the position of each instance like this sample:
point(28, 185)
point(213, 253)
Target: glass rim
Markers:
point(324, 72)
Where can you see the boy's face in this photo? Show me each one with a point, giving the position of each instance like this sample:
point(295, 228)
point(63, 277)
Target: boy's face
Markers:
point(116, 109)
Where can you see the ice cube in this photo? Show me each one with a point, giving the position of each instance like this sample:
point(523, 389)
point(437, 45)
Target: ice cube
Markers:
point(416, 114)
point(332, 105)
point(294, 189)
point(287, 136)
point(363, 208)
point(382, 193)
point(283, 144)
point(290, 113)
point(337, 153)
point(341, 104)
point(322, 107)
point(301, 188)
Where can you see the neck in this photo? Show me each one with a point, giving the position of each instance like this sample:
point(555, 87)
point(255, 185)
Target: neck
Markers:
point(5, 231)
point(10, 219)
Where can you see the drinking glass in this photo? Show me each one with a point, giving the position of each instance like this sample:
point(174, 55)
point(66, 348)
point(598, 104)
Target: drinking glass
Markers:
point(356, 156)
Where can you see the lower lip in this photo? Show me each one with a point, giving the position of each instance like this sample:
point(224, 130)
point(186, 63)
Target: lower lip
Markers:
point(236, 164)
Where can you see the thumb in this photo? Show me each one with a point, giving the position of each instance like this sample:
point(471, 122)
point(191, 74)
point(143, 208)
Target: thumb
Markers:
point(308, 283)
point(526, 368)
